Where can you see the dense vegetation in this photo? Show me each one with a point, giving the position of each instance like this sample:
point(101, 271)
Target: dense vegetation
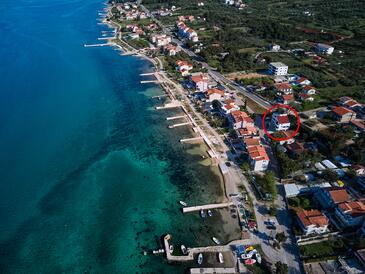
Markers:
point(233, 38)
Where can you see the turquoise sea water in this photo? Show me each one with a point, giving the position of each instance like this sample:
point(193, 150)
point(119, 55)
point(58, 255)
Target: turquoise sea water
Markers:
point(90, 174)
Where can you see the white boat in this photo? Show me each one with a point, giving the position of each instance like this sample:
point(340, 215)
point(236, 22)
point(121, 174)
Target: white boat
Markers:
point(216, 240)
point(200, 258)
point(184, 250)
point(220, 258)
point(210, 213)
point(183, 203)
point(202, 213)
point(258, 258)
point(171, 248)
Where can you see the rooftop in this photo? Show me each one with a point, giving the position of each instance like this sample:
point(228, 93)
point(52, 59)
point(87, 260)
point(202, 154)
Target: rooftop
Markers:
point(355, 208)
point(278, 64)
point(341, 111)
point(339, 195)
point(312, 218)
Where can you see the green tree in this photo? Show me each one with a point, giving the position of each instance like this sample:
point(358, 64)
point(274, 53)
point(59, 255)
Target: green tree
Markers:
point(281, 268)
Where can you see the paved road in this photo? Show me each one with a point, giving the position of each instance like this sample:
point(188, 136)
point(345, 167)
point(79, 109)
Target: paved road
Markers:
point(289, 252)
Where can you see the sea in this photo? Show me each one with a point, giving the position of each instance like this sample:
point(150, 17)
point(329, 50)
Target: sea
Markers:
point(90, 173)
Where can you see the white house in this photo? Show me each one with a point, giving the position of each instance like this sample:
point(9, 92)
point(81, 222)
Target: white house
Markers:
point(214, 94)
point(303, 81)
point(280, 122)
point(228, 106)
point(258, 158)
point(240, 119)
point(200, 81)
point(312, 221)
point(278, 68)
point(160, 39)
point(310, 90)
point(323, 49)
point(184, 67)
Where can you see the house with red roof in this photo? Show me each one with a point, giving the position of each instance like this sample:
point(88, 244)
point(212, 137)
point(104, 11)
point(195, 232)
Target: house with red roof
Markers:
point(184, 67)
point(200, 81)
point(350, 213)
point(343, 114)
point(310, 90)
point(303, 81)
point(170, 49)
point(312, 221)
point(295, 148)
point(348, 102)
point(332, 196)
point(285, 88)
point(247, 131)
point(287, 98)
point(280, 122)
point(258, 158)
point(214, 94)
point(240, 119)
point(228, 106)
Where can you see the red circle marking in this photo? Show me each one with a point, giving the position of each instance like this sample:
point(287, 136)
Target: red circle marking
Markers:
point(269, 111)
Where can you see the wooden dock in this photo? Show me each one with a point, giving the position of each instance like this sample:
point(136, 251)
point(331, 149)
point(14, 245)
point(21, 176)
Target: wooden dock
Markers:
point(205, 207)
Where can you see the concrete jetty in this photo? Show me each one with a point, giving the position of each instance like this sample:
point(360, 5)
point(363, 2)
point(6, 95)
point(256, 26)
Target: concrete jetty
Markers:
point(194, 139)
point(158, 96)
point(97, 45)
point(196, 250)
point(180, 125)
point(172, 104)
point(149, 81)
point(213, 270)
point(205, 207)
point(175, 117)
point(147, 74)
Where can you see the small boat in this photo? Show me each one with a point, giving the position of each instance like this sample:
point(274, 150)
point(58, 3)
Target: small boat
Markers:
point(246, 256)
point(210, 213)
point(216, 240)
point(220, 258)
point(183, 203)
point(258, 258)
point(171, 248)
point(184, 250)
point(200, 258)
point(249, 248)
point(202, 213)
point(250, 261)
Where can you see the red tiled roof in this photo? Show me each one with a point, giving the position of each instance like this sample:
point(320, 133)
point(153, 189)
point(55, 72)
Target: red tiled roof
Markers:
point(241, 116)
point(215, 91)
point(351, 103)
point(339, 195)
point(341, 111)
point(199, 78)
point(283, 86)
point(288, 97)
point(296, 147)
point(354, 208)
point(252, 141)
point(283, 119)
point(257, 153)
point(308, 88)
point(301, 79)
point(312, 217)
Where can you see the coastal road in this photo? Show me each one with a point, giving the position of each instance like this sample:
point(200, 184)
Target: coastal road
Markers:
point(288, 254)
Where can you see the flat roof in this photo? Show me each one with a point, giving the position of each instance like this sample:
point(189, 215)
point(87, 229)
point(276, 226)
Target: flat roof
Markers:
point(278, 64)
